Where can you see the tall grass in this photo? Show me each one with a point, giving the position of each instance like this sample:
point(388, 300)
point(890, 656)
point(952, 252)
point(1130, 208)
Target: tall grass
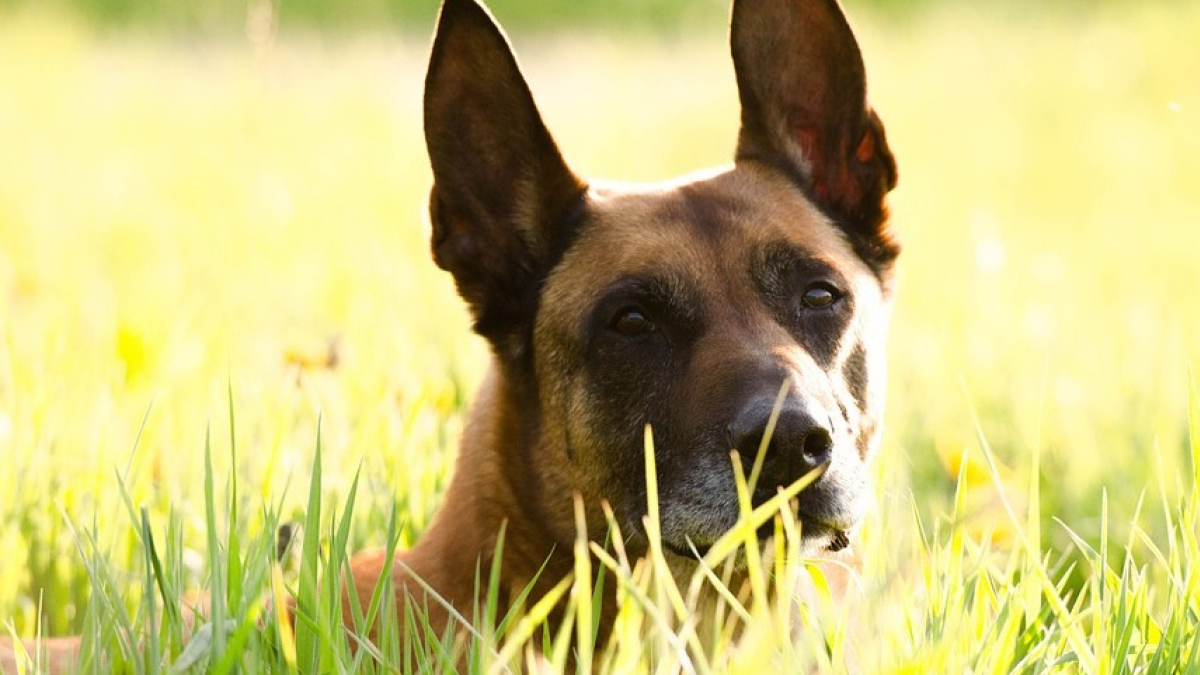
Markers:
point(179, 216)
point(952, 603)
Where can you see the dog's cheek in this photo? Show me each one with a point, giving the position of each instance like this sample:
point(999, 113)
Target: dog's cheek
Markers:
point(867, 389)
point(619, 392)
point(587, 421)
point(865, 373)
point(851, 385)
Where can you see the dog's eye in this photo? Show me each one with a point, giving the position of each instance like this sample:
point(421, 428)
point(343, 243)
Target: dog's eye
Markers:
point(820, 295)
point(632, 321)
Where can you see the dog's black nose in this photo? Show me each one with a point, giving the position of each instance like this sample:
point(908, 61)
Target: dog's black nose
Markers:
point(800, 443)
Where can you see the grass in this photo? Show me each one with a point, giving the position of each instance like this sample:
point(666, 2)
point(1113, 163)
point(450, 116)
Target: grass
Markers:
point(208, 248)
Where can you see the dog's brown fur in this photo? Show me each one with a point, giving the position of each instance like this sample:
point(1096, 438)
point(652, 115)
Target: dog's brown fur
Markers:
point(683, 305)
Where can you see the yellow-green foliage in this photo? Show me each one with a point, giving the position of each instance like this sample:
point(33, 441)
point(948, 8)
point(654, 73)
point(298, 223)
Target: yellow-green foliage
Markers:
point(182, 218)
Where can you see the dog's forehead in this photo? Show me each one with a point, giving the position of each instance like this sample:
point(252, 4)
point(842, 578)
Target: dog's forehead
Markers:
point(711, 226)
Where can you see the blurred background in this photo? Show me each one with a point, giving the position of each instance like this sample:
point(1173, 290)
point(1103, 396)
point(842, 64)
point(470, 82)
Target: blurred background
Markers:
point(218, 206)
point(654, 16)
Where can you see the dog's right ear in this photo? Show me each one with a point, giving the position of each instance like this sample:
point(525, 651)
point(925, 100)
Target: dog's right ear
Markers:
point(501, 188)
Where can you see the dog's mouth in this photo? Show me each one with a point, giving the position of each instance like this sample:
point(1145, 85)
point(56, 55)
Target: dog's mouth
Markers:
point(826, 538)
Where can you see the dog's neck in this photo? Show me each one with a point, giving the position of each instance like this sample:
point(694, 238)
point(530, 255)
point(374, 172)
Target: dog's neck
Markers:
point(494, 493)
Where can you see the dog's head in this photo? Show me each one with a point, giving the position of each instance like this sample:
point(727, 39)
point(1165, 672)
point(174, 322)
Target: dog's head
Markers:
point(687, 305)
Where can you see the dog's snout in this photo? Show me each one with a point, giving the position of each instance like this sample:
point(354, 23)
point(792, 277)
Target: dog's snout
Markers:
point(799, 443)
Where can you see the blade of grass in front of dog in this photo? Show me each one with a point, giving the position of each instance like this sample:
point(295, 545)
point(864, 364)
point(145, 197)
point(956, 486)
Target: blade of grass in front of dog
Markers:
point(665, 585)
point(470, 631)
point(628, 585)
point(651, 470)
point(365, 619)
point(338, 555)
point(761, 454)
point(653, 525)
point(236, 645)
point(749, 523)
point(307, 637)
point(486, 616)
point(614, 658)
point(706, 574)
point(597, 602)
point(216, 588)
point(528, 625)
point(243, 643)
point(287, 639)
point(415, 632)
point(333, 640)
point(749, 536)
point(558, 643)
point(492, 603)
point(583, 576)
point(382, 594)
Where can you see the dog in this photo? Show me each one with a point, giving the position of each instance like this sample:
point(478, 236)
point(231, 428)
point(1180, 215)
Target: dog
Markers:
point(682, 306)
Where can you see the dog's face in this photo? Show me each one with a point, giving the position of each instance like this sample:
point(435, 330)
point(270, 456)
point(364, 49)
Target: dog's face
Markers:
point(687, 309)
point(686, 306)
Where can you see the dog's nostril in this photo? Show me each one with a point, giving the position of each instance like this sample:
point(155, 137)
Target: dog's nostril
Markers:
point(817, 447)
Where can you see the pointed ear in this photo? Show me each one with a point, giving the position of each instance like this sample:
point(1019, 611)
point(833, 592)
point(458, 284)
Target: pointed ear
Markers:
point(501, 192)
point(804, 111)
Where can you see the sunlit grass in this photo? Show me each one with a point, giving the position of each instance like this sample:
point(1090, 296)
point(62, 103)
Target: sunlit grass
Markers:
point(197, 226)
point(947, 603)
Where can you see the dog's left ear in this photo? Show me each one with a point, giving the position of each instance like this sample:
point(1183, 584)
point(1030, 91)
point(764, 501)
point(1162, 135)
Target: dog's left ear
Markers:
point(803, 91)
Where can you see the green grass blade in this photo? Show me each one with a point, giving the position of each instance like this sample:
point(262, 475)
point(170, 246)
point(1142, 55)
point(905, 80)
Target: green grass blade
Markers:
point(308, 600)
point(216, 588)
point(1194, 430)
point(151, 656)
point(233, 553)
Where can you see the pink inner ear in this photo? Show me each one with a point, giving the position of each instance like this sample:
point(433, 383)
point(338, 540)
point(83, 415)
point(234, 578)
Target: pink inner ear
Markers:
point(834, 183)
point(820, 169)
point(866, 148)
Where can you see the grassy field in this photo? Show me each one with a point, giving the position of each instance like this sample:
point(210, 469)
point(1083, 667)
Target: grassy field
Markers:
point(195, 230)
